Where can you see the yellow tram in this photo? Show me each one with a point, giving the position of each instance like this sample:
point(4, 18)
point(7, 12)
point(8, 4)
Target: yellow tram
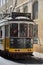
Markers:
point(17, 34)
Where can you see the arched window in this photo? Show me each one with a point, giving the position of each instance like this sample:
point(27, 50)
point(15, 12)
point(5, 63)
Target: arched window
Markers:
point(25, 9)
point(35, 10)
point(18, 10)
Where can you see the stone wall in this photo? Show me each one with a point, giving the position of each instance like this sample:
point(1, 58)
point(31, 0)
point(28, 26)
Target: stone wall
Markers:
point(38, 48)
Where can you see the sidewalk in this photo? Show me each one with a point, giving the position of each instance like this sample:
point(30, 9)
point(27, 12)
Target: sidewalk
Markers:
point(37, 54)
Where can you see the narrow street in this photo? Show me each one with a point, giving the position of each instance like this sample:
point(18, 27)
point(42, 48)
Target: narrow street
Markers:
point(30, 60)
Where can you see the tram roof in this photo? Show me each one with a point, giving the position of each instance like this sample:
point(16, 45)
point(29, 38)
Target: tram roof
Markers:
point(21, 20)
point(21, 17)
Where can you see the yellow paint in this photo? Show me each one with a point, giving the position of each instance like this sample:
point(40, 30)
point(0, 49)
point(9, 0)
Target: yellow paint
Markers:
point(21, 50)
point(6, 42)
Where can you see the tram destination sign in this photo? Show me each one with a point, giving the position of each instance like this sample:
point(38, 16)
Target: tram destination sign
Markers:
point(16, 14)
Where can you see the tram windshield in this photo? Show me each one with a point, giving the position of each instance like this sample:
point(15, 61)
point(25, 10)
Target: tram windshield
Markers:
point(19, 35)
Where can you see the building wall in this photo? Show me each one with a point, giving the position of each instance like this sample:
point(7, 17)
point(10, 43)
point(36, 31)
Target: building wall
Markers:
point(39, 47)
point(7, 5)
point(40, 22)
point(20, 2)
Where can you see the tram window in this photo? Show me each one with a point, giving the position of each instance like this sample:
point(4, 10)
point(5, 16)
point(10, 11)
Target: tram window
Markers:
point(23, 30)
point(14, 30)
point(30, 30)
point(28, 43)
point(13, 43)
point(17, 43)
point(20, 43)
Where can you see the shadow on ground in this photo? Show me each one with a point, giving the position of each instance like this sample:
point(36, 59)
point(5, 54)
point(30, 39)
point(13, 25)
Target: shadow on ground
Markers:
point(27, 60)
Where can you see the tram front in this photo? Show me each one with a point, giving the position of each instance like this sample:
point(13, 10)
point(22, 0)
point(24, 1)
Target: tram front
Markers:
point(21, 35)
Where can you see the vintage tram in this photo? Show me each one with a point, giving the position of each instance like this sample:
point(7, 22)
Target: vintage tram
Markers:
point(17, 34)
